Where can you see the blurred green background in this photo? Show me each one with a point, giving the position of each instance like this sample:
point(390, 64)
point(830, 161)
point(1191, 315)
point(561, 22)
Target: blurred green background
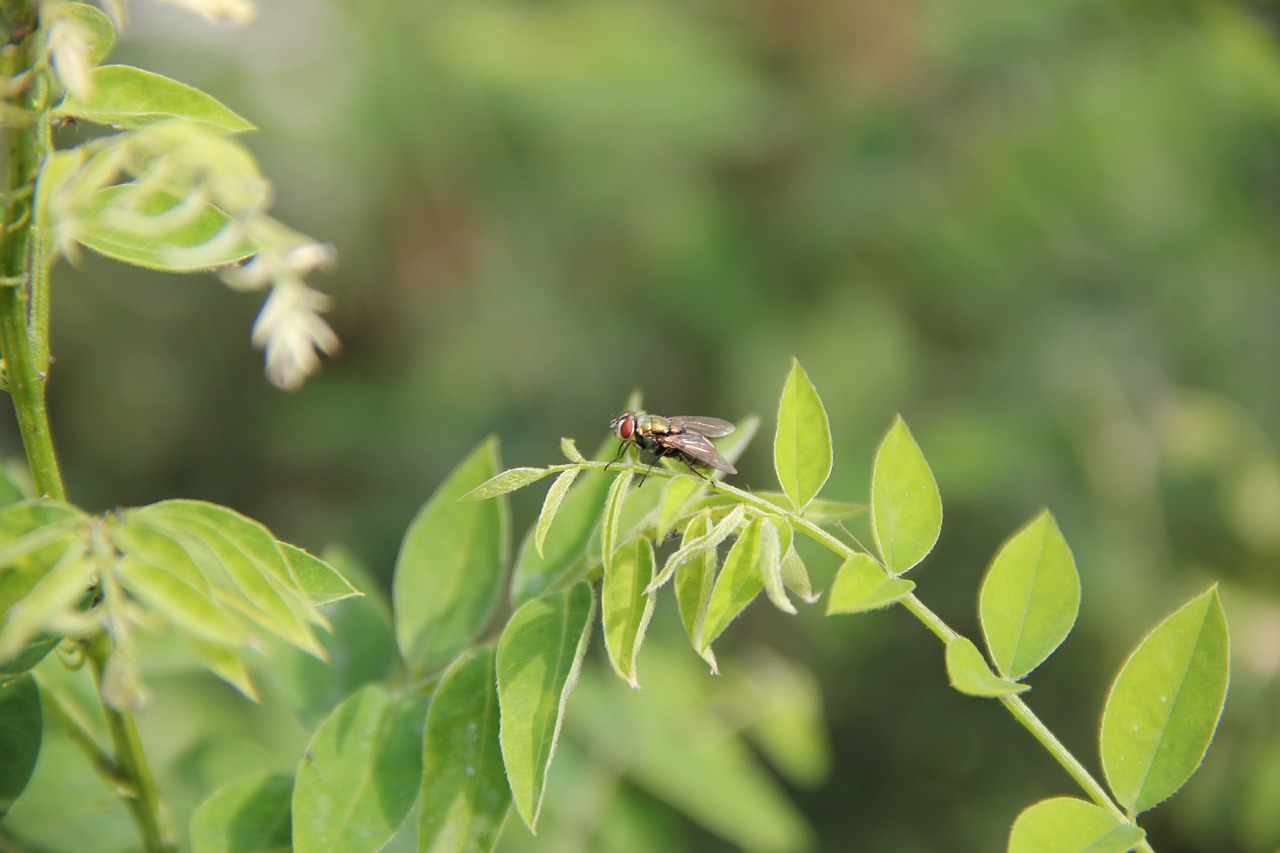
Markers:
point(1045, 232)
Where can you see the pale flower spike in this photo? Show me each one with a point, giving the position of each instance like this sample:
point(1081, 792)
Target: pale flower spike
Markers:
point(229, 12)
point(68, 42)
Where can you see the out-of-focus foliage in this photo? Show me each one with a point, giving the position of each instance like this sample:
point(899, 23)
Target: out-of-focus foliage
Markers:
point(1045, 232)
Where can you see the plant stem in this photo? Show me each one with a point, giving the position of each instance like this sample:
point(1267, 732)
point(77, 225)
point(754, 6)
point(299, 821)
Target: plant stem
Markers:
point(24, 345)
point(25, 143)
point(139, 789)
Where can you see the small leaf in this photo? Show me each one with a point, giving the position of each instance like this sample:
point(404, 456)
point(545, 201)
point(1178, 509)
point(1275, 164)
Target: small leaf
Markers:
point(63, 587)
point(539, 655)
point(861, 585)
point(609, 520)
point(738, 584)
point(802, 444)
point(570, 450)
point(794, 575)
point(124, 96)
point(690, 548)
point(449, 573)
point(970, 674)
point(21, 731)
point(227, 663)
point(1068, 825)
point(818, 511)
point(906, 509)
point(1164, 706)
point(360, 774)
point(564, 549)
point(510, 480)
point(1029, 598)
point(771, 565)
point(465, 797)
point(321, 582)
point(625, 606)
point(551, 505)
point(249, 815)
point(695, 577)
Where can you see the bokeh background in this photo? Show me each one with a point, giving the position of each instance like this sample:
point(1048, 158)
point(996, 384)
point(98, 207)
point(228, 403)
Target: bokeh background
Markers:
point(1045, 232)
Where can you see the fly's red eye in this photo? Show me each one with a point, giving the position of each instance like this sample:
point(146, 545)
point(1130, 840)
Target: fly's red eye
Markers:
point(627, 427)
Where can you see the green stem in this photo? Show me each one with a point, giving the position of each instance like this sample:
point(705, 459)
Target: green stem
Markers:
point(24, 312)
point(138, 790)
point(26, 144)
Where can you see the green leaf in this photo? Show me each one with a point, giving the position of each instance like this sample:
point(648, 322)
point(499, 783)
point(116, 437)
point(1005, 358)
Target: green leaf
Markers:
point(626, 607)
point(1068, 825)
point(95, 28)
point(465, 797)
point(794, 575)
point(570, 450)
point(861, 585)
point(160, 232)
point(738, 584)
point(802, 445)
point(321, 582)
point(510, 480)
point(612, 515)
point(360, 774)
point(786, 722)
point(551, 505)
point(59, 591)
point(1164, 706)
point(564, 548)
point(241, 557)
point(906, 509)
point(249, 815)
point(539, 655)
point(21, 731)
point(124, 96)
point(1029, 598)
point(695, 578)
point(970, 674)
point(692, 547)
point(449, 573)
point(818, 511)
point(771, 565)
point(34, 536)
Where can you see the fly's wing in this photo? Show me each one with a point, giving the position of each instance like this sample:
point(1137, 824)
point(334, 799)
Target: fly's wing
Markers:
point(710, 427)
point(697, 447)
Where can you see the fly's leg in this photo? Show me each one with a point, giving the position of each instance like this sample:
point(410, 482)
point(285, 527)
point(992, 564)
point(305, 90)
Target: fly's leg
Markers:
point(621, 450)
point(689, 465)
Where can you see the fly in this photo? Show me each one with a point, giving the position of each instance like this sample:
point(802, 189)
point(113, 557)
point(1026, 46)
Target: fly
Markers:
point(684, 437)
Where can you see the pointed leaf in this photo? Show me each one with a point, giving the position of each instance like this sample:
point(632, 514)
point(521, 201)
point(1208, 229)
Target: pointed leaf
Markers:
point(249, 815)
point(695, 577)
point(1068, 825)
point(124, 96)
point(771, 565)
point(625, 607)
point(360, 774)
point(21, 731)
point(227, 663)
point(794, 575)
point(802, 444)
point(1029, 598)
point(970, 674)
point(861, 585)
point(63, 587)
point(738, 584)
point(692, 547)
point(465, 797)
point(1164, 706)
point(449, 573)
point(321, 582)
point(551, 505)
point(906, 509)
point(609, 522)
point(564, 549)
point(190, 609)
point(570, 450)
point(508, 481)
point(539, 655)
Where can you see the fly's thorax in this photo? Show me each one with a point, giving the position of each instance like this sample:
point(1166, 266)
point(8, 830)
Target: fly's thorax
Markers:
point(650, 425)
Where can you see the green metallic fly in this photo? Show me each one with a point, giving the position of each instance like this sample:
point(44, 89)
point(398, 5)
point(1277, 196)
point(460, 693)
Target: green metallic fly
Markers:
point(684, 437)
